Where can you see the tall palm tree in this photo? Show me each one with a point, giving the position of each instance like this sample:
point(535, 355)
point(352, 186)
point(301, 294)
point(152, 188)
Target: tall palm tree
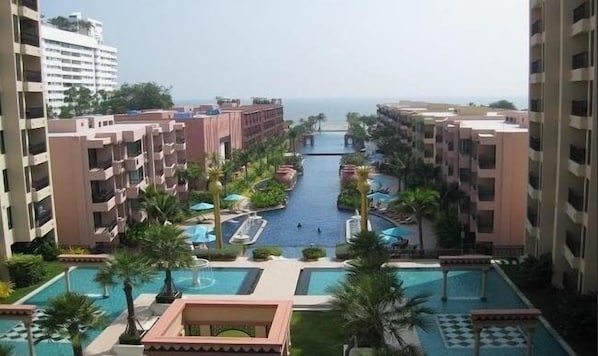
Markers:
point(71, 316)
point(131, 269)
point(320, 118)
point(160, 206)
point(374, 305)
point(419, 202)
point(165, 247)
point(369, 252)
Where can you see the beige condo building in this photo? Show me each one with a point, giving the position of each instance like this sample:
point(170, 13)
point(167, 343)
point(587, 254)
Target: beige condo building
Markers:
point(26, 202)
point(100, 169)
point(562, 192)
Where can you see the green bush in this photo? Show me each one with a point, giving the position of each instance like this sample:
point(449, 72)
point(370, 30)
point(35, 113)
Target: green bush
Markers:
point(198, 196)
point(26, 270)
point(273, 195)
point(356, 159)
point(313, 253)
point(262, 253)
point(349, 196)
point(46, 247)
point(342, 252)
point(227, 253)
point(134, 234)
point(536, 273)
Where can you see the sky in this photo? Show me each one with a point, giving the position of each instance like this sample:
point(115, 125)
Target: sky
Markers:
point(316, 48)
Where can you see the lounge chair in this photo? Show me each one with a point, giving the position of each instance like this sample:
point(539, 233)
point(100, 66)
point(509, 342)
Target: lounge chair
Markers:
point(408, 221)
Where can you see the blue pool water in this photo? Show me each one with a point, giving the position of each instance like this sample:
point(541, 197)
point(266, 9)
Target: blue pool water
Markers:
point(463, 295)
point(219, 281)
point(313, 204)
point(327, 142)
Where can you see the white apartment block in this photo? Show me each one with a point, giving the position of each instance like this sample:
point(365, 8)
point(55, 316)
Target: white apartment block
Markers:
point(73, 59)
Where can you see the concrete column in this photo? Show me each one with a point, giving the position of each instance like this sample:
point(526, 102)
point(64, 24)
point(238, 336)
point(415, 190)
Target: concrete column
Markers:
point(484, 277)
point(444, 277)
point(67, 278)
point(476, 340)
point(29, 338)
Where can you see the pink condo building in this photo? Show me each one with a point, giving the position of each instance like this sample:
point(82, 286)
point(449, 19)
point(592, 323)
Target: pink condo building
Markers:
point(206, 131)
point(100, 169)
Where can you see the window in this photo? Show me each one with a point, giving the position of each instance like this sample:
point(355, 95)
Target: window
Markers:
point(9, 217)
point(2, 149)
point(5, 178)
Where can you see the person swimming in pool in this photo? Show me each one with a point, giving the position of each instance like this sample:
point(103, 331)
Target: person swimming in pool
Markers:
point(298, 225)
point(319, 230)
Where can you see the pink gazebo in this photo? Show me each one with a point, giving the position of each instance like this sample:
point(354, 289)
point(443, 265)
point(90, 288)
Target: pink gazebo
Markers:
point(221, 327)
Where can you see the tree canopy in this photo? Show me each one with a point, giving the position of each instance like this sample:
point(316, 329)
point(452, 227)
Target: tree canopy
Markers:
point(503, 104)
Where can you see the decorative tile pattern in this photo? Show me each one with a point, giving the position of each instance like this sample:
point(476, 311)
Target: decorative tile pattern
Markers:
point(18, 333)
point(457, 332)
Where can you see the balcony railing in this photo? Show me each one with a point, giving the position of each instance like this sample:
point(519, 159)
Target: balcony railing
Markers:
point(581, 12)
point(42, 217)
point(486, 162)
point(33, 76)
point(103, 164)
point(535, 143)
point(32, 4)
point(485, 193)
point(573, 243)
point(536, 67)
point(31, 39)
point(102, 197)
point(37, 148)
point(41, 183)
point(579, 108)
point(577, 154)
point(34, 112)
point(580, 60)
point(535, 105)
point(575, 199)
point(534, 181)
point(532, 217)
point(537, 27)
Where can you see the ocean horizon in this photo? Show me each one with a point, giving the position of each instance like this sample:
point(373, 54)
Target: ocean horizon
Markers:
point(336, 109)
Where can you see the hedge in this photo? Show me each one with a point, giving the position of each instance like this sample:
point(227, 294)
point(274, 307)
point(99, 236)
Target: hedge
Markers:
point(262, 253)
point(227, 253)
point(313, 253)
point(26, 270)
point(342, 252)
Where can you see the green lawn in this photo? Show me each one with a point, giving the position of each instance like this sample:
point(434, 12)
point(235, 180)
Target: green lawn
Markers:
point(315, 333)
point(52, 269)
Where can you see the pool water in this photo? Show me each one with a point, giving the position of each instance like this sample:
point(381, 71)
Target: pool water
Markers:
point(313, 204)
point(447, 333)
point(327, 142)
point(219, 281)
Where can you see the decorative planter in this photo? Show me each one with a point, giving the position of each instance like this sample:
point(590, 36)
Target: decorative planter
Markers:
point(168, 299)
point(127, 350)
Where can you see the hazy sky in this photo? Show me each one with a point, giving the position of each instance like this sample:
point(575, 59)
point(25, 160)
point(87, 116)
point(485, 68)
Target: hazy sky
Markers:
point(316, 48)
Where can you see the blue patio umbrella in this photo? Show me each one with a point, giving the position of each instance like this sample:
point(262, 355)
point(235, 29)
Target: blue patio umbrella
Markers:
point(389, 199)
point(389, 239)
point(379, 196)
point(201, 206)
point(234, 197)
point(396, 231)
point(199, 234)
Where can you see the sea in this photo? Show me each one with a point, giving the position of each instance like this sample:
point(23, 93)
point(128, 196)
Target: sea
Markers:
point(336, 109)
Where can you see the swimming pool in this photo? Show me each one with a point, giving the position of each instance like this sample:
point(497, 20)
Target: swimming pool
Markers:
point(326, 142)
point(313, 204)
point(449, 333)
point(219, 281)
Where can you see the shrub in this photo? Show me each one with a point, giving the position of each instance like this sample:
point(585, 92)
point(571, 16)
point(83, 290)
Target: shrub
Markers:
point(134, 234)
point(46, 247)
point(26, 270)
point(349, 196)
point(342, 252)
point(273, 195)
point(227, 253)
point(262, 253)
point(356, 159)
point(536, 273)
point(313, 253)
point(198, 196)
point(74, 250)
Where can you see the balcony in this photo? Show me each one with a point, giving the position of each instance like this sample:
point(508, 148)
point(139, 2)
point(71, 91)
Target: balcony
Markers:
point(531, 223)
point(122, 224)
point(102, 170)
point(41, 189)
point(537, 33)
point(29, 38)
point(535, 144)
point(577, 161)
point(135, 187)
point(581, 122)
point(535, 110)
point(182, 187)
point(533, 187)
point(132, 163)
point(106, 232)
point(485, 193)
point(159, 178)
point(574, 207)
point(581, 19)
point(38, 153)
point(486, 166)
point(37, 148)
point(159, 155)
point(572, 250)
point(579, 108)
point(170, 171)
point(169, 148)
point(180, 146)
point(33, 81)
point(118, 166)
point(536, 71)
point(31, 4)
point(120, 195)
point(43, 223)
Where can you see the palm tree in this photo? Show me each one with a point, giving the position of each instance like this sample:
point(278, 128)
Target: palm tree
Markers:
point(160, 206)
point(320, 118)
point(374, 305)
point(419, 202)
point(165, 247)
point(132, 269)
point(369, 252)
point(244, 156)
point(71, 316)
